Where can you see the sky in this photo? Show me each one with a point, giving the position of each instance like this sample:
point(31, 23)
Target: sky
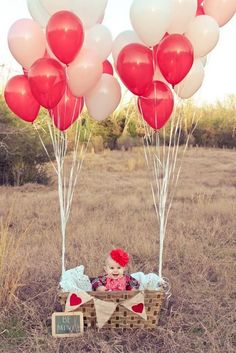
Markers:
point(220, 70)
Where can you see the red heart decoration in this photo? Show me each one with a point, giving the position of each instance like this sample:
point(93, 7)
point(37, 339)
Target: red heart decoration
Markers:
point(75, 300)
point(138, 308)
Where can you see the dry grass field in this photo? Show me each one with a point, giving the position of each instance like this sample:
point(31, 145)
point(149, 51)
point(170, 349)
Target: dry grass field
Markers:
point(113, 207)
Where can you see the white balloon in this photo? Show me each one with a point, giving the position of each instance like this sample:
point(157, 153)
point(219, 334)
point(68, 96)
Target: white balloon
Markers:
point(123, 39)
point(204, 60)
point(84, 72)
point(52, 6)
point(100, 20)
point(192, 81)
point(150, 19)
point(89, 11)
point(182, 13)
point(38, 13)
point(99, 38)
point(104, 98)
point(203, 32)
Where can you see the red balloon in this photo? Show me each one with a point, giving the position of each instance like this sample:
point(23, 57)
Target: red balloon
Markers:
point(67, 110)
point(25, 71)
point(199, 2)
point(155, 48)
point(157, 107)
point(175, 57)
point(47, 80)
point(20, 100)
point(200, 10)
point(107, 67)
point(135, 68)
point(65, 35)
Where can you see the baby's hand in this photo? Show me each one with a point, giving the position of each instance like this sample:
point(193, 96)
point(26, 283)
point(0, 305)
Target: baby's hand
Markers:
point(101, 289)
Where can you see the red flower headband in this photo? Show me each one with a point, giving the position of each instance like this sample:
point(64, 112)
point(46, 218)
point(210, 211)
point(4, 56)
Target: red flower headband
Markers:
point(120, 256)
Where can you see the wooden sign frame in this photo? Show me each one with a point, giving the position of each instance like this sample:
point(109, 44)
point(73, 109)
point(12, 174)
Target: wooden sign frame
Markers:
point(74, 313)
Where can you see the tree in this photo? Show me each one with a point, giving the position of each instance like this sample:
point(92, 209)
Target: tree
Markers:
point(22, 157)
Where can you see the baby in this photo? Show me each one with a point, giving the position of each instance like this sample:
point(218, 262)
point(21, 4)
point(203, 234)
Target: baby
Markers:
point(114, 278)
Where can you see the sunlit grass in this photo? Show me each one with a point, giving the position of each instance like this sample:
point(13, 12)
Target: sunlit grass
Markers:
point(113, 207)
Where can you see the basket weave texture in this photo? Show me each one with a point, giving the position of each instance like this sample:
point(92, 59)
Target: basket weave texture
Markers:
point(122, 318)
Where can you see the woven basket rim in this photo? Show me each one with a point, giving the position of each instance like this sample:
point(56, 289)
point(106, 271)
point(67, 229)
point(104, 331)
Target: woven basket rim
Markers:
point(150, 291)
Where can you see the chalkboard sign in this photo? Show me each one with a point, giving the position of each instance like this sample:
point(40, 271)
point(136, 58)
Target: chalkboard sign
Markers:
point(67, 324)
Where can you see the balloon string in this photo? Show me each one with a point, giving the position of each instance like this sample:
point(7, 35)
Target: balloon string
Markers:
point(154, 86)
point(166, 286)
point(165, 164)
point(66, 184)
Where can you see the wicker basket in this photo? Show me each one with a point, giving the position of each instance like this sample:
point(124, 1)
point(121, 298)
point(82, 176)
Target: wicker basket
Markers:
point(122, 318)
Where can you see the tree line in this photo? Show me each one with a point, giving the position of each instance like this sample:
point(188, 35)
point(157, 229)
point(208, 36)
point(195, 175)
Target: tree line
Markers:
point(23, 158)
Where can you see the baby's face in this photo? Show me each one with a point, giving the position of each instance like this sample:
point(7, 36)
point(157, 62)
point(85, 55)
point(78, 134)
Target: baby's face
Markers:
point(113, 269)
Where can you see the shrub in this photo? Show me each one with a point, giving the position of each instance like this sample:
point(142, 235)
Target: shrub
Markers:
point(22, 156)
point(125, 143)
point(97, 144)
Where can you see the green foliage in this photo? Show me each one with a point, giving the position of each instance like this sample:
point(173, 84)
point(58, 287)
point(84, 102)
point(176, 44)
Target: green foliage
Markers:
point(125, 142)
point(217, 126)
point(108, 129)
point(22, 157)
point(97, 143)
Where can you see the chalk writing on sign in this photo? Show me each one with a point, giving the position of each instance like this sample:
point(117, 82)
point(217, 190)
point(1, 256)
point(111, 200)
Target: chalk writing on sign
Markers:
point(67, 324)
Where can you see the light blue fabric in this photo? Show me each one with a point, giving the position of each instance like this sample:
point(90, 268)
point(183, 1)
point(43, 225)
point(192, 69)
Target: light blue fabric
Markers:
point(75, 280)
point(149, 281)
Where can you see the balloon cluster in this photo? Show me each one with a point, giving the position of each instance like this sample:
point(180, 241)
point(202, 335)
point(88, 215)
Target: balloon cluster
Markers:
point(63, 52)
point(168, 49)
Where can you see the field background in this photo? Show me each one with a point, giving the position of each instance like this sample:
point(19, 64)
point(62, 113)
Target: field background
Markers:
point(113, 207)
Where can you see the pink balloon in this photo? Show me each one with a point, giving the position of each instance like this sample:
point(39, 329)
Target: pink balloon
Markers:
point(26, 42)
point(192, 82)
point(221, 10)
point(84, 72)
point(104, 98)
point(20, 100)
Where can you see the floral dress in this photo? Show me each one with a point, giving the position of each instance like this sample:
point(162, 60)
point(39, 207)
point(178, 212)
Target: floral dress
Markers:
point(126, 282)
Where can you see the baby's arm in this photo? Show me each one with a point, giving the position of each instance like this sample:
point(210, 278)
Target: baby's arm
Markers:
point(132, 283)
point(101, 289)
point(98, 284)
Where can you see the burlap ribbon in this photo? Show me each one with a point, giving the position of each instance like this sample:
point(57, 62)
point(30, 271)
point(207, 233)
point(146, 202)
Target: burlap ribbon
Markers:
point(104, 309)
